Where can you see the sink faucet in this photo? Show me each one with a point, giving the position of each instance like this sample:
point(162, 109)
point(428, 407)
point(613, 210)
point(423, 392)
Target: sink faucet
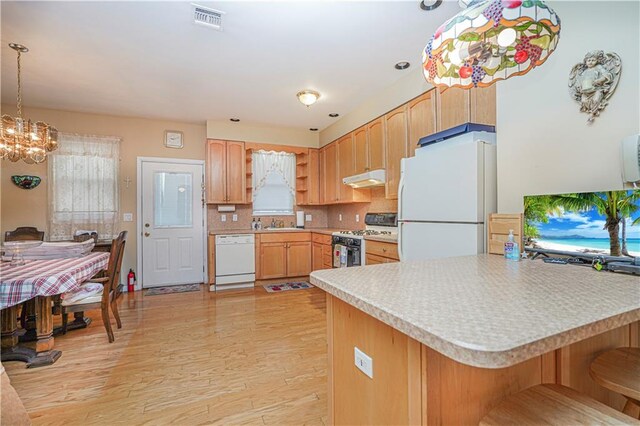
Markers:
point(273, 223)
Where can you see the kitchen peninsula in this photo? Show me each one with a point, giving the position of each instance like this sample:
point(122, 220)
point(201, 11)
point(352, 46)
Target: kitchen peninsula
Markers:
point(450, 338)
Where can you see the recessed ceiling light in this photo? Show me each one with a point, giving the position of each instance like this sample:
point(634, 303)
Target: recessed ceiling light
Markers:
point(334, 115)
point(430, 4)
point(314, 129)
point(402, 65)
point(235, 120)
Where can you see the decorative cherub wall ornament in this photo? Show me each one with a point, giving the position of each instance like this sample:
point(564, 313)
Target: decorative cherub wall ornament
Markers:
point(593, 81)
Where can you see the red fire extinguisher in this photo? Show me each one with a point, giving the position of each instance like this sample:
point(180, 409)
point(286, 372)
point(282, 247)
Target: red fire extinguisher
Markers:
point(131, 279)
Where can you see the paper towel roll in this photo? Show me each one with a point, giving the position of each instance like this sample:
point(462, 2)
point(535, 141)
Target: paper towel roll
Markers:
point(299, 219)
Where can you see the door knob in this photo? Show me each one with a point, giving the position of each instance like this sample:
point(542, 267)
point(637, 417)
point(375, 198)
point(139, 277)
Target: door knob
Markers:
point(146, 225)
point(146, 234)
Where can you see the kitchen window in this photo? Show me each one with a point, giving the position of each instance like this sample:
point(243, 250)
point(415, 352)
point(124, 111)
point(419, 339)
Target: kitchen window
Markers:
point(274, 180)
point(83, 186)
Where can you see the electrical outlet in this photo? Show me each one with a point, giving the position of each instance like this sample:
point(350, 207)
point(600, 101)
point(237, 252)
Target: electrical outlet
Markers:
point(357, 218)
point(127, 217)
point(363, 362)
point(307, 218)
point(340, 217)
point(234, 218)
point(223, 218)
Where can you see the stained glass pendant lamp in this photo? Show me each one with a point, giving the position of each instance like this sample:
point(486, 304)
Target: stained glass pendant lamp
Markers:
point(491, 40)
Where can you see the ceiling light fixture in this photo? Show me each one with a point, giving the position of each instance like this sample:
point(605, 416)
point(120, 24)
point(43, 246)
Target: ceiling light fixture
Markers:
point(491, 40)
point(334, 115)
point(22, 139)
point(430, 4)
point(235, 120)
point(402, 65)
point(308, 97)
point(314, 129)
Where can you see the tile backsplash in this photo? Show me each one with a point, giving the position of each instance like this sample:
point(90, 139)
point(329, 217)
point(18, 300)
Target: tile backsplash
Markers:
point(245, 216)
point(322, 216)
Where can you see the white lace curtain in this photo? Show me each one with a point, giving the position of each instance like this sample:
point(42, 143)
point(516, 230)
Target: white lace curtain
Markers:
point(266, 162)
point(83, 186)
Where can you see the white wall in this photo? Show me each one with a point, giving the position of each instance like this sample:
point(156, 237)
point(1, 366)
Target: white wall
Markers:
point(405, 89)
point(228, 130)
point(544, 142)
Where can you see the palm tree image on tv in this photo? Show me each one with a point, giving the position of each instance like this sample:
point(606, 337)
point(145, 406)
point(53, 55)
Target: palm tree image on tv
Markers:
point(596, 222)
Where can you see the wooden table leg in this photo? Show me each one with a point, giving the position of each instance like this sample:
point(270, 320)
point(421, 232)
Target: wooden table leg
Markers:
point(43, 346)
point(10, 349)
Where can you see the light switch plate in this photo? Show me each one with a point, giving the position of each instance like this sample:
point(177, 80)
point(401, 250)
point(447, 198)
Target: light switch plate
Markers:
point(223, 218)
point(357, 218)
point(127, 217)
point(307, 218)
point(363, 362)
point(340, 217)
point(234, 218)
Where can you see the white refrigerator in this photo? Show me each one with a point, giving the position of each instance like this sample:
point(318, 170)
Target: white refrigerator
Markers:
point(445, 195)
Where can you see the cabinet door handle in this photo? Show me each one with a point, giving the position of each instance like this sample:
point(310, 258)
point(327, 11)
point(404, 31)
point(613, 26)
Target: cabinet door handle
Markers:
point(384, 250)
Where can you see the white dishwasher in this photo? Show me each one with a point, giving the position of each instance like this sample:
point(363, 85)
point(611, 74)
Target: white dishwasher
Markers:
point(235, 261)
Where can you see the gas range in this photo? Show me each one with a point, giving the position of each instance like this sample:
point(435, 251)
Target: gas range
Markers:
point(349, 246)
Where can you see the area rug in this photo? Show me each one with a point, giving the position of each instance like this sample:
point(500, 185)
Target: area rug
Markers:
point(170, 289)
point(278, 288)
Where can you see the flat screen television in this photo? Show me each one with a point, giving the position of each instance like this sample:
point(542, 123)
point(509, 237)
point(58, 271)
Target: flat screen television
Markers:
point(606, 223)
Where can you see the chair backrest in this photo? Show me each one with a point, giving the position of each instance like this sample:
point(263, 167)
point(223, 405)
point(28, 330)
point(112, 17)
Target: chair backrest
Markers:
point(115, 264)
point(24, 233)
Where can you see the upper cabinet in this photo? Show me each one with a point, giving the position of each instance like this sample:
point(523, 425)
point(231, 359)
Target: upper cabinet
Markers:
point(395, 148)
point(375, 132)
point(457, 106)
point(368, 143)
point(226, 172)
point(346, 166)
point(421, 114)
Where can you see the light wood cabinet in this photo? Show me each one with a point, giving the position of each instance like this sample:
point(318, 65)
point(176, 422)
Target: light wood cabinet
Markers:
point(226, 172)
point(361, 150)
point(395, 148)
point(381, 252)
point(457, 106)
point(346, 166)
point(375, 132)
point(329, 173)
point(284, 255)
point(368, 143)
point(421, 115)
point(321, 252)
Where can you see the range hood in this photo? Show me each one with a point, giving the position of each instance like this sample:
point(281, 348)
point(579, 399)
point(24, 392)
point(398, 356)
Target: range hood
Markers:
point(365, 180)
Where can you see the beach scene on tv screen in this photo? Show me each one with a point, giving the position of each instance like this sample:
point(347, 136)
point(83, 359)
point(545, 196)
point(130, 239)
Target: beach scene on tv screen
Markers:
point(606, 222)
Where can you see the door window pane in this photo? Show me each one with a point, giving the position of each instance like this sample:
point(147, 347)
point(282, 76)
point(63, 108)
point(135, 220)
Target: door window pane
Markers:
point(172, 200)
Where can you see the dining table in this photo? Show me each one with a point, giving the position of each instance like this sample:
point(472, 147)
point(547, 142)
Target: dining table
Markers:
point(36, 282)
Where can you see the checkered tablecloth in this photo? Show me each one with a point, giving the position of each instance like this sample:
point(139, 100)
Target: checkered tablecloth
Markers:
point(46, 277)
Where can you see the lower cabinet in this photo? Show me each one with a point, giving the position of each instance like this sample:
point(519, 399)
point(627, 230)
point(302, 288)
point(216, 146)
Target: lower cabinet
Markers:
point(380, 252)
point(284, 255)
point(321, 252)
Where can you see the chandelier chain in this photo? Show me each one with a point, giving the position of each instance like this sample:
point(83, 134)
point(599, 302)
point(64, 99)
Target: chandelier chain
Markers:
point(19, 87)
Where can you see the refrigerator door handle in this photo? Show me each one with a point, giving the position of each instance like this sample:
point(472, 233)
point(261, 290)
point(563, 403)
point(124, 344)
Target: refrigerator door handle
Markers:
point(400, 255)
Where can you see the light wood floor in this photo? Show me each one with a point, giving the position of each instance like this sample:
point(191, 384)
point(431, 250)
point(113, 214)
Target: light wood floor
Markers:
point(191, 358)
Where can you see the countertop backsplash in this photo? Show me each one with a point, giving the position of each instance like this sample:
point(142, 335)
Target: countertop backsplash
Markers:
point(245, 216)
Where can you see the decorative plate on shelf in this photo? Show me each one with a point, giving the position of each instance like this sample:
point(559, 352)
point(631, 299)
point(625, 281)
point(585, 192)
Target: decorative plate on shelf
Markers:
point(26, 181)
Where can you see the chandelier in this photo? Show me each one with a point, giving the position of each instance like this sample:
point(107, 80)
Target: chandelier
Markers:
point(22, 139)
point(491, 40)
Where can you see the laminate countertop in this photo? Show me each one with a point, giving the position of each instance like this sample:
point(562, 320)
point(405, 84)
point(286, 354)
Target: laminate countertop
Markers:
point(326, 231)
point(393, 238)
point(485, 311)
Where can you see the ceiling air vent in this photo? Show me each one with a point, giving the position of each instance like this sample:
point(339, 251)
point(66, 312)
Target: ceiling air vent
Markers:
point(207, 16)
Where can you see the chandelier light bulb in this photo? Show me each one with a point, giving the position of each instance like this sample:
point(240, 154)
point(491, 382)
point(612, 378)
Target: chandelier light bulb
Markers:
point(507, 37)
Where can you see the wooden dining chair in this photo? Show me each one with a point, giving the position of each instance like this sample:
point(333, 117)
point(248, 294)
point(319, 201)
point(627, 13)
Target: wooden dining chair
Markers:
point(22, 233)
point(99, 293)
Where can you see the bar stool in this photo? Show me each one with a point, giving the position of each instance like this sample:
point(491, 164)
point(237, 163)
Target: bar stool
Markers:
point(619, 371)
point(553, 405)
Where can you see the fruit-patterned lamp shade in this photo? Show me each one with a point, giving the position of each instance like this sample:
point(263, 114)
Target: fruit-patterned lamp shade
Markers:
point(491, 40)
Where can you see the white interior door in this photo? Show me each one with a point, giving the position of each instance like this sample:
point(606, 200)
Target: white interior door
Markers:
point(172, 223)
